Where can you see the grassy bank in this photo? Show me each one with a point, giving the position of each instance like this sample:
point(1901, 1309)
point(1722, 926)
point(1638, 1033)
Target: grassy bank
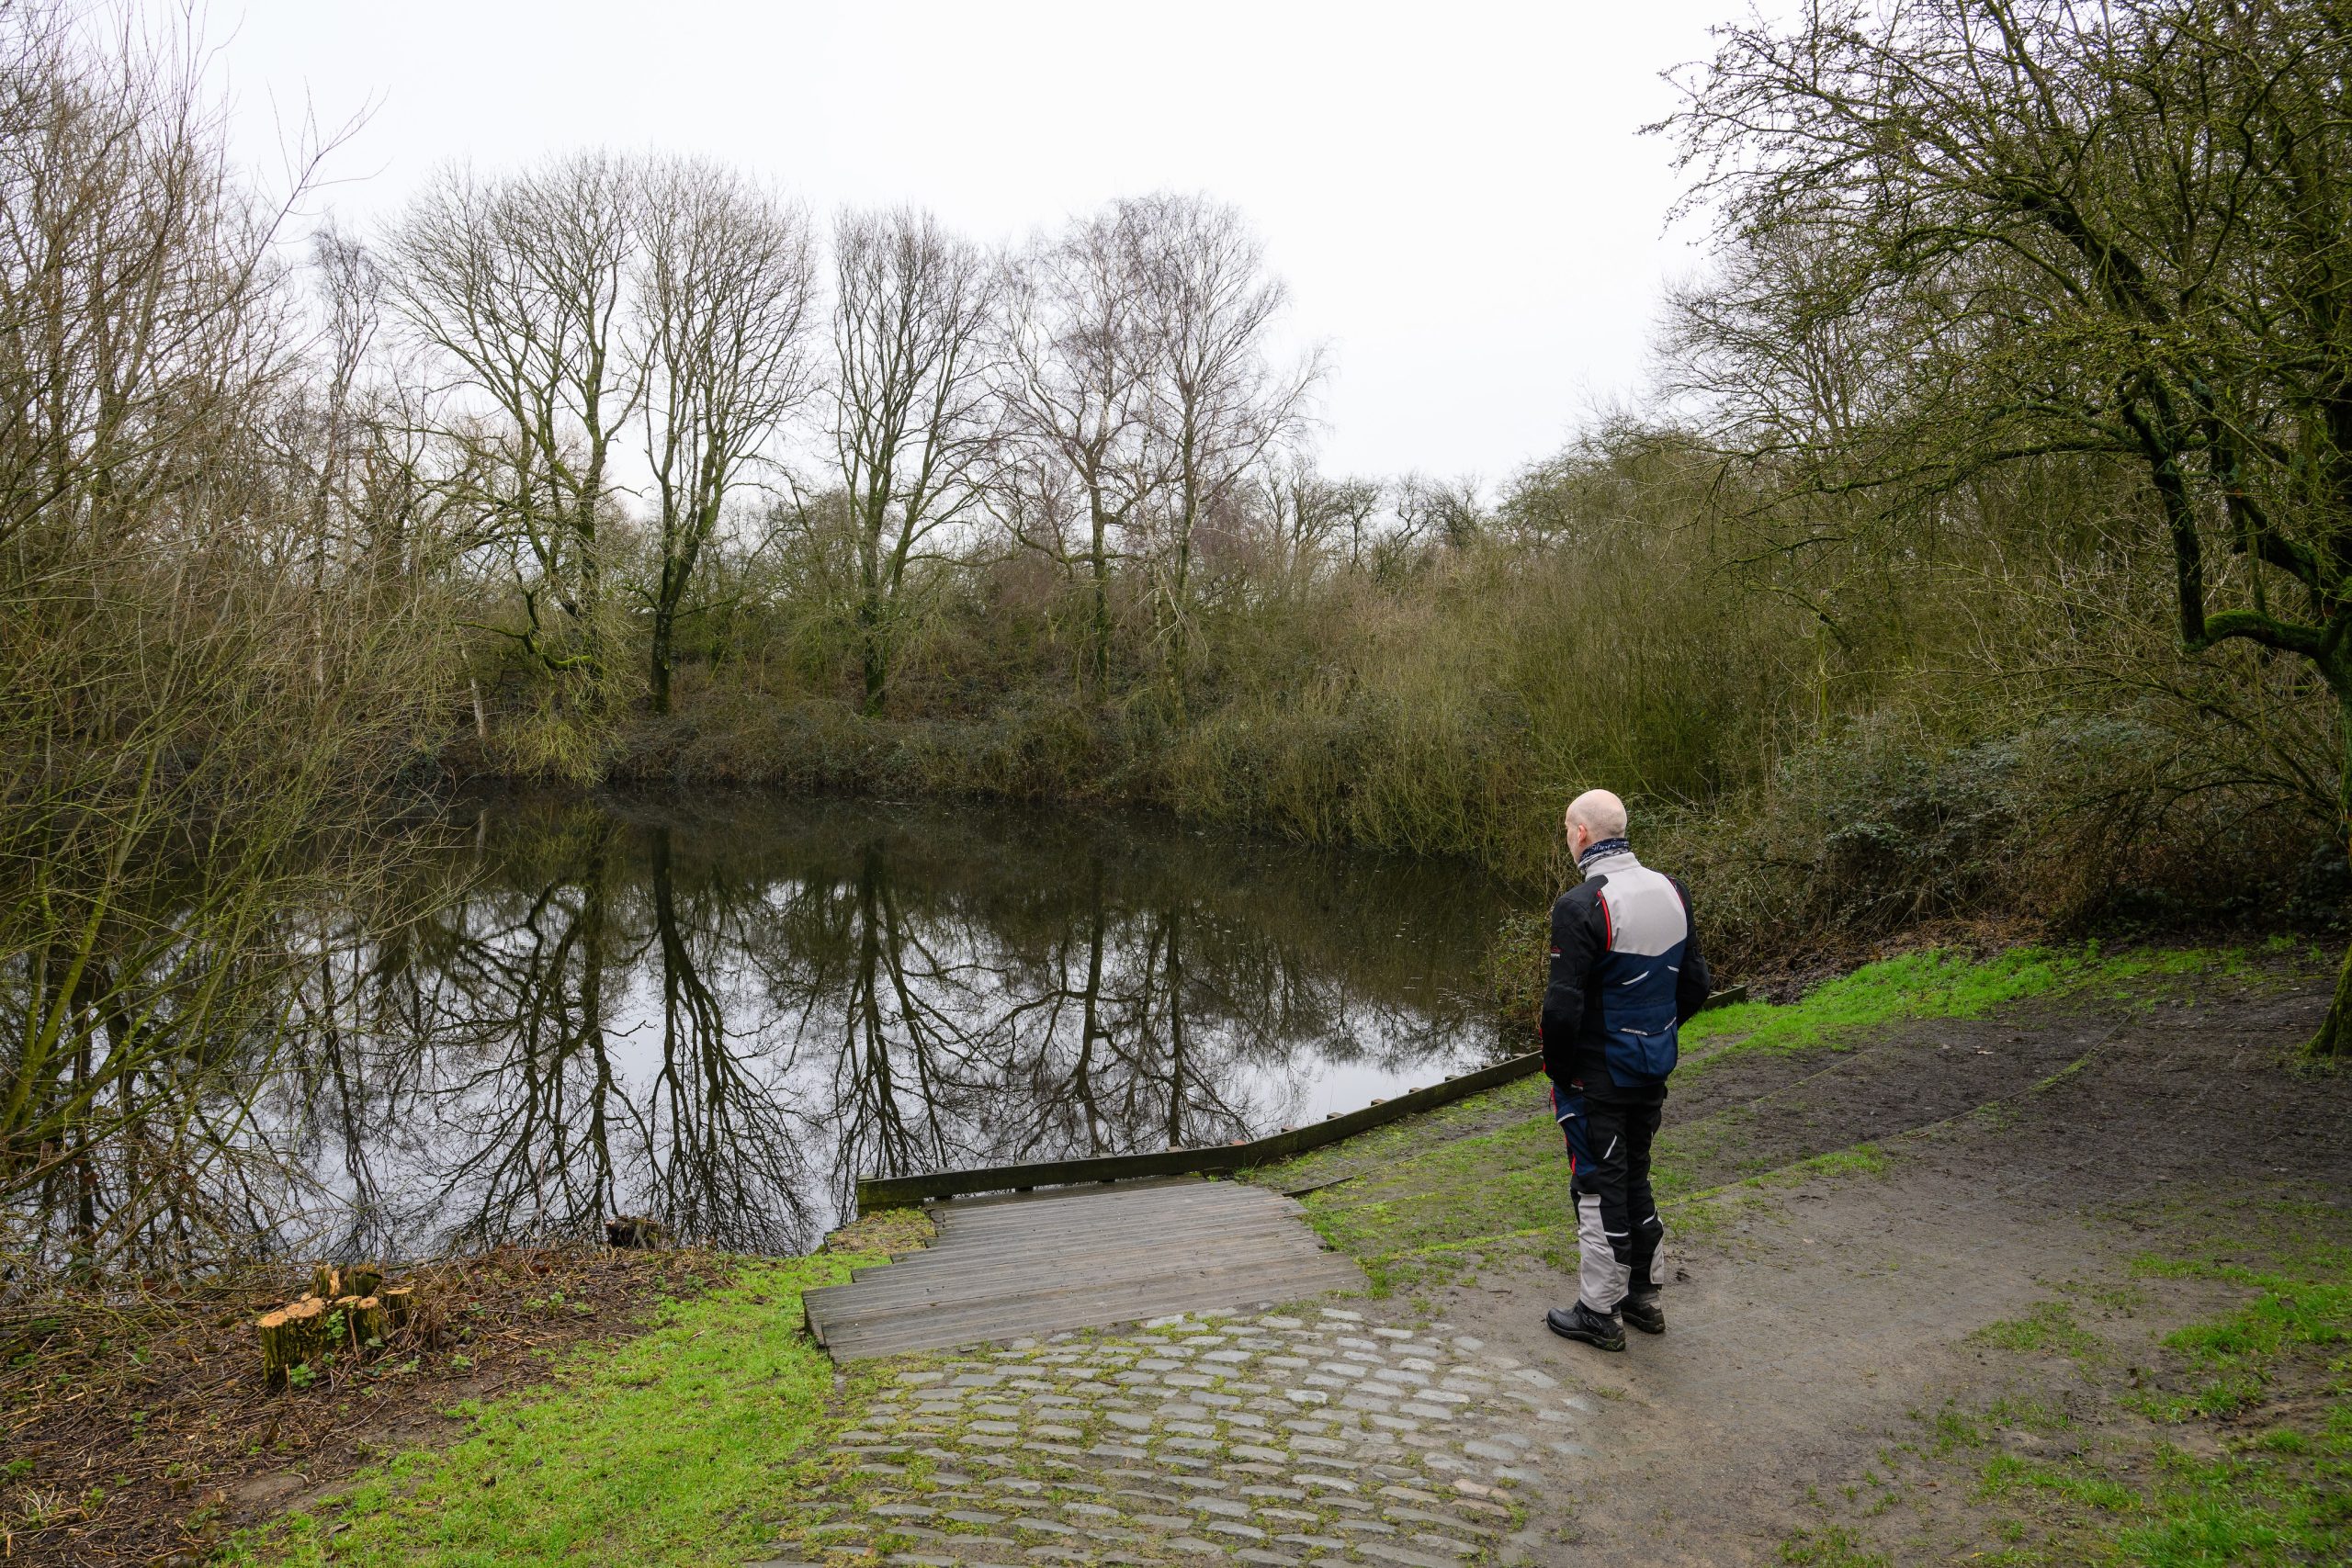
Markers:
point(134, 1426)
point(672, 1447)
point(687, 1440)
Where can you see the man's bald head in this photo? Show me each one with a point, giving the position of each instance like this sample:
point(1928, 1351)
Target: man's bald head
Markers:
point(1602, 813)
point(1593, 816)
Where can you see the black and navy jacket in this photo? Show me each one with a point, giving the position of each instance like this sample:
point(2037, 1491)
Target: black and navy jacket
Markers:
point(1626, 973)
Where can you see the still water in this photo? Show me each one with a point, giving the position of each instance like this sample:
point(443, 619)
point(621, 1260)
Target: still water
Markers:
point(719, 1015)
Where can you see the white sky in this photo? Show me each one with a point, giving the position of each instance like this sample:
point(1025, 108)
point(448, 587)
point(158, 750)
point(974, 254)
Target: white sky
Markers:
point(1455, 193)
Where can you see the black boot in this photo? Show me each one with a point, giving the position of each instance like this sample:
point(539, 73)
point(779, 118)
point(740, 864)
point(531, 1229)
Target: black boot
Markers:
point(1579, 1322)
point(1640, 1310)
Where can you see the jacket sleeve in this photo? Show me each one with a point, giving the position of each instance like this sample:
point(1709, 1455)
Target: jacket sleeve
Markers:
point(1576, 943)
point(1696, 983)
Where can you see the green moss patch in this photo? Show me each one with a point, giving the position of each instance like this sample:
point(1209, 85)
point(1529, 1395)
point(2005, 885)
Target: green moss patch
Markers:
point(2249, 1458)
point(1942, 983)
point(675, 1447)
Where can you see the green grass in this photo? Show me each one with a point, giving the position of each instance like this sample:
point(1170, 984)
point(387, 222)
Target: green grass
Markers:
point(2230, 1361)
point(1831, 1548)
point(2049, 1328)
point(670, 1448)
point(1941, 983)
point(2271, 1384)
point(1484, 1180)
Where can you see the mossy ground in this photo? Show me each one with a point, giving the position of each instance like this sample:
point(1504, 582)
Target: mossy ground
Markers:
point(671, 1448)
point(2227, 1439)
point(1482, 1181)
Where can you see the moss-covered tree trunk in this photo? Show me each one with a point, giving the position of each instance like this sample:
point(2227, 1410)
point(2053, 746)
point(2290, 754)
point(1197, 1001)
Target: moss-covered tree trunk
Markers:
point(2334, 1036)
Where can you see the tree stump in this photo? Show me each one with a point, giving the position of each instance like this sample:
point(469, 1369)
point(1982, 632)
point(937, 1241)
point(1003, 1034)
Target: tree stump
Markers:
point(629, 1230)
point(400, 1304)
point(326, 1281)
point(361, 1278)
point(365, 1322)
point(291, 1336)
point(278, 1354)
point(308, 1319)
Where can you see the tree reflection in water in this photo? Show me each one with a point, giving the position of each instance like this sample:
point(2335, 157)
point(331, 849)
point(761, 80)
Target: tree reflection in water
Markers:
point(722, 1017)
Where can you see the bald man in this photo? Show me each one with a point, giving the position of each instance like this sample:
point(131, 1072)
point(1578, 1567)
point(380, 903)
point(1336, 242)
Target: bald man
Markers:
point(1626, 975)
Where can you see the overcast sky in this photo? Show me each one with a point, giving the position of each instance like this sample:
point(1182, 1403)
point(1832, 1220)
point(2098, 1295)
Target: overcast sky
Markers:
point(1456, 194)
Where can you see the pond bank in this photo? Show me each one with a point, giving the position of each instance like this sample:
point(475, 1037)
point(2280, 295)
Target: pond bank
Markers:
point(710, 1435)
point(142, 1434)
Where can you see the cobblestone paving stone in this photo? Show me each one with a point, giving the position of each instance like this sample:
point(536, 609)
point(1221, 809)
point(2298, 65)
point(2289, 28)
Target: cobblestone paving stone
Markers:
point(1315, 1437)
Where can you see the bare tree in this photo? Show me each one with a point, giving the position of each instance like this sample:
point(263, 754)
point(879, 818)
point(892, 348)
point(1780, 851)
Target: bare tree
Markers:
point(914, 330)
point(1304, 512)
point(724, 299)
point(521, 282)
point(181, 781)
point(1444, 513)
point(1218, 405)
point(1077, 392)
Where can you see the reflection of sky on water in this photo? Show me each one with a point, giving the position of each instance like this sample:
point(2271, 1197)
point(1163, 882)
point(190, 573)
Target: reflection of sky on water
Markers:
point(722, 1018)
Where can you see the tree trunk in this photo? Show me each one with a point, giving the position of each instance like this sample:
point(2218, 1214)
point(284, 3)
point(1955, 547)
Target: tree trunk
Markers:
point(400, 1304)
point(277, 1350)
point(367, 1323)
point(2335, 1037)
point(871, 659)
point(664, 621)
point(1099, 560)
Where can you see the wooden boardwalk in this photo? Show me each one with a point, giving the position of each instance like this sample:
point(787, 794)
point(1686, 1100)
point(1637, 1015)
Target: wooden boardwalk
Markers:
point(1082, 1258)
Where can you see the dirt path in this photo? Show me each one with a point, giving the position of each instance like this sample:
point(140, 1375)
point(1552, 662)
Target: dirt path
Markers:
point(1808, 1333)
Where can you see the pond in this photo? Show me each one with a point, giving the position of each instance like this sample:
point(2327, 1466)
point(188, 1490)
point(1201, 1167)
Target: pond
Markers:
point(719, 1015)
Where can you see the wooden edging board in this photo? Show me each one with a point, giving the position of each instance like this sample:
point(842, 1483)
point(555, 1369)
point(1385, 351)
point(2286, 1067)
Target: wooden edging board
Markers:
point(876, 1192)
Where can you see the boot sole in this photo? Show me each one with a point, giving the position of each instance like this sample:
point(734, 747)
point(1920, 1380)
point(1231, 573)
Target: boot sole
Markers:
point(1645, 1327)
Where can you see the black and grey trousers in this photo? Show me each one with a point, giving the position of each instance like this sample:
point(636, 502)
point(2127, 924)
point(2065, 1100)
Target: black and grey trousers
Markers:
point(1618, 1235)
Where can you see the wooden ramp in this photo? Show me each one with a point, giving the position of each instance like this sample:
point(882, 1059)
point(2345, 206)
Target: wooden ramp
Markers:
point(1083, 1258)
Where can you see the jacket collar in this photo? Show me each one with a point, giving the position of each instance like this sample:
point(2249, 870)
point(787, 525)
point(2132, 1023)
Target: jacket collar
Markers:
point(1605, 856)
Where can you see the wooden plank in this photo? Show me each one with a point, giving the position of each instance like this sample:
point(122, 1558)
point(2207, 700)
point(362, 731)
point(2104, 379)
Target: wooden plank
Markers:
point(1092, 1309)
point(1083, 1309)
point(1115, 1227)
point(1107, 1303)
point(1087, 1258)
point(1079, 1257)
point(1049, 1272)
point(1244, 1279)
point(979, 1284)
point(875, 1192)
point(1099, 1213)
point(974, 1202)
point(1071, 1246)
point(1166, 1193)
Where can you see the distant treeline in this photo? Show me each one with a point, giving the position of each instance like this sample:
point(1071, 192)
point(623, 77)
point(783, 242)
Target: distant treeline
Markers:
point(1983, 557)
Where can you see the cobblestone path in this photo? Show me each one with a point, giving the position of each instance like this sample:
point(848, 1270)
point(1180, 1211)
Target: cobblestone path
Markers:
point(1275, 1440)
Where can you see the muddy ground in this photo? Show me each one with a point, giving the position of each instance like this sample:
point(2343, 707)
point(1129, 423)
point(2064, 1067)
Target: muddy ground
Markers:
point(142, 1434)
point(1817, 1325)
